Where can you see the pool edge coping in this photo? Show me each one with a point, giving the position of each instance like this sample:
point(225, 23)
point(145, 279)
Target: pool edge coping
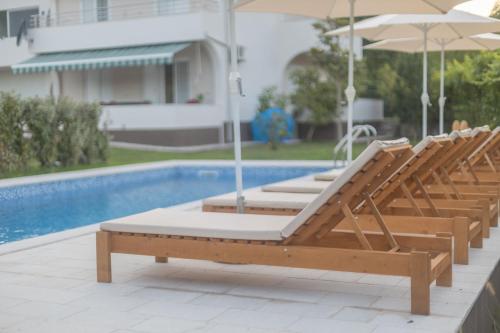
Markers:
point(54, 237)
point(37, 241)
point(137, 167)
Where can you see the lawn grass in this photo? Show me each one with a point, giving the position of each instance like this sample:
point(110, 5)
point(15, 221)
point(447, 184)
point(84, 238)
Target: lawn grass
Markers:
point(121, 156)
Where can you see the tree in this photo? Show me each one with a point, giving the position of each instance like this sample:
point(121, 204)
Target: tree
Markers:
point(496, 10)
point(473, 85)
point(314, 96)
point(320, 88)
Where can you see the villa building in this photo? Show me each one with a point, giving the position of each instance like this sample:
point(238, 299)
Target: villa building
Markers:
point(159, 68)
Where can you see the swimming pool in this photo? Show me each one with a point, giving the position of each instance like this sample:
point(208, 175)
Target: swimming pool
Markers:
point(38, 209)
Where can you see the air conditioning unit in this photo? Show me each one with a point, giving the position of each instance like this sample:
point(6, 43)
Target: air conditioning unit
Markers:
point(240, 52)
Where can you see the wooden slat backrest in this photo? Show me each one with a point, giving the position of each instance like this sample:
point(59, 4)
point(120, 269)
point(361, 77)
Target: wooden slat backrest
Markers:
point(351, 194)
point(491, 145)
point(473, 143)
point(391, 188)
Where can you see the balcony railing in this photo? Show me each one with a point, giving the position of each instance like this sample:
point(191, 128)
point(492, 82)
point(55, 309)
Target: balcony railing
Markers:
point(139, 9)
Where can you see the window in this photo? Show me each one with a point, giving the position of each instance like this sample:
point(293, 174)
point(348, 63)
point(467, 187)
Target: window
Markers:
point(177, 85)
point(102, 10)
point(166, 7)
point(94, 10)
point(182, 90)
point(3, 24)
point(11, 20)
point(169, 84)
point(17, 17)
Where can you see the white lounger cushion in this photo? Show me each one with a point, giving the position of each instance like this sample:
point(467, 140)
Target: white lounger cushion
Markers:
point(297, 186)
point(239, 226)
point(218, 225)
point(329, 176)
point(417, 149)
point(259, 199)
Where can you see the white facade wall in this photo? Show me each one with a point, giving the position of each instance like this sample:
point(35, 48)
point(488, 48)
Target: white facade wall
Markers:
point(270, 41)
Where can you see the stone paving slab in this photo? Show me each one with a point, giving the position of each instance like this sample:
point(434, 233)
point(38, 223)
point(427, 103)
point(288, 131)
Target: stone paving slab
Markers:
point(52, 288)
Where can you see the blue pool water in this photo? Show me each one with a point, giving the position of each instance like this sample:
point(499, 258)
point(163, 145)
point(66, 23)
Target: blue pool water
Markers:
point(39, 209)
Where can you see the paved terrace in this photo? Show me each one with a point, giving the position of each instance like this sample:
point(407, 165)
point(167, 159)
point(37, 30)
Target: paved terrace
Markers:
point(47, 284)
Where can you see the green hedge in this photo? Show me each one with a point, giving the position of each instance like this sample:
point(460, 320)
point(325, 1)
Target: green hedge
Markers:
point(51, 132)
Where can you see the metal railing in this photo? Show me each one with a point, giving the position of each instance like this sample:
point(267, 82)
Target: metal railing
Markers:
point(139, 9)
point(341, 147)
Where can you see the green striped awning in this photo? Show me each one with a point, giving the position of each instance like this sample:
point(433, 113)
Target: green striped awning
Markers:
point(102, 58)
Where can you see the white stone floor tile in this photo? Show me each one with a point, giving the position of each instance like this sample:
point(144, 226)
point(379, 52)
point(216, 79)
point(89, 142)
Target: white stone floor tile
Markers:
point(179, 311)
point(7, 302)
point(52, 288)
point(109, 318)
point(229, 301)
point(344, 299)
point(58, 326)
point(308, 325)
point(256, 319)
point(8, 320)
point(356, 314)
point(44, 310)
point(165, 295)
point(106, 301)
point(301, 309)
point(168, 325)
point(279, 293)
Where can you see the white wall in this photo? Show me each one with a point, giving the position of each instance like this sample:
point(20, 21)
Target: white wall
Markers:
point(366, 109)
point(28, 85)
point(271, 45)
point(166, 116)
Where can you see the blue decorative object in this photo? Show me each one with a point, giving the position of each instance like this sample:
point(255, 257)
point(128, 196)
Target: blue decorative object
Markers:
point(272, 122)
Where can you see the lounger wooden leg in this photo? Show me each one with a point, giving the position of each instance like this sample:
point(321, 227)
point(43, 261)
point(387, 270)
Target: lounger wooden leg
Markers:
point(486, 224)
point(460, 241)
point(420, 272)
point(477, 241)
point(445, 278)
point(103, 256)
point(161, 260)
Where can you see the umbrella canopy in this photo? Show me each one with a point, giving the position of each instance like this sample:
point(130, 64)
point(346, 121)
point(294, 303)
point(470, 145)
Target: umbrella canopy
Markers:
point(323, 9)
point(453, 25)
point(487, 41)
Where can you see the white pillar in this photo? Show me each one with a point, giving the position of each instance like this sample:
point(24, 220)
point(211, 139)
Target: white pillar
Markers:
point(425, 96)
point(235, 91)
point(442, 98)
point(350, 92)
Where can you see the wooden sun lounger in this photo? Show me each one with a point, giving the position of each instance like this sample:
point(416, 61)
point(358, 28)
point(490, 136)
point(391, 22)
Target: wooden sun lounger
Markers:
point(466, 230)
point(307, 240)
point(462, 170)
point(483, 159)
point(409, 195)
point(329, 175)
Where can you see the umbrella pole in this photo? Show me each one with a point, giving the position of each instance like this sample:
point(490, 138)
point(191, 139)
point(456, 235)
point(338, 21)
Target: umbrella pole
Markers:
point(425, 96)
point(235, 91)
point(442, 99)
point(350, 92)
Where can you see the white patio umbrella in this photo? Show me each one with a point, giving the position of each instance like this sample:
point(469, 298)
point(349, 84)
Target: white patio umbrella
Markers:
point(323, 9)
point(455, 24)
point(486, 41)
point(236, 91)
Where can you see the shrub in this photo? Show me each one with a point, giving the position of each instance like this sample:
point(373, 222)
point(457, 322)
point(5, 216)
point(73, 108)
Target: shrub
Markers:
point(270, 98)
point(54, 132)
point(14, 148)
point(41, 117)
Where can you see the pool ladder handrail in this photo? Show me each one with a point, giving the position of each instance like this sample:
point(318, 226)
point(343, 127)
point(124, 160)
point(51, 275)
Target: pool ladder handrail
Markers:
point(357, 130)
